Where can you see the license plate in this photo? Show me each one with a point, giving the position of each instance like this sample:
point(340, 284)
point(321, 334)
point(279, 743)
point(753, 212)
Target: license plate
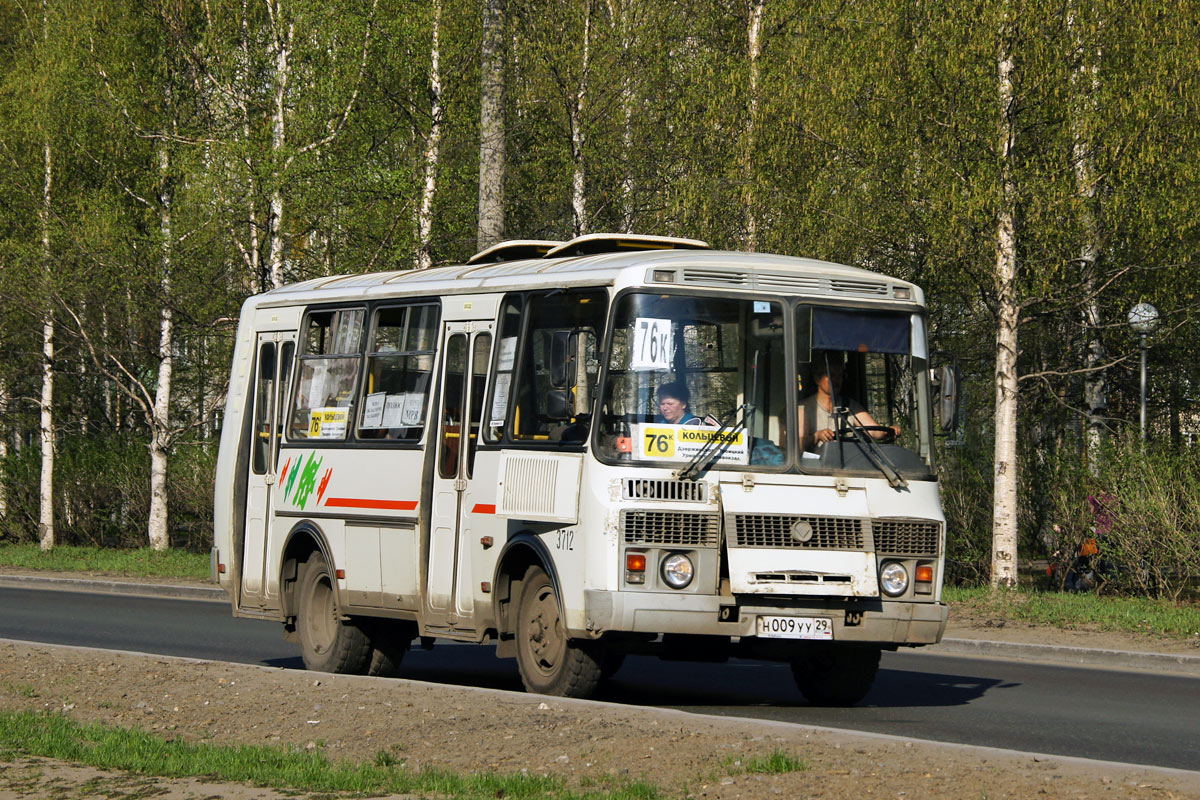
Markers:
point(794, 627)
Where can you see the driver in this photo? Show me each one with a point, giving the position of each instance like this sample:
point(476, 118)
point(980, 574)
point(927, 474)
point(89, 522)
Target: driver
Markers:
point(816, 410)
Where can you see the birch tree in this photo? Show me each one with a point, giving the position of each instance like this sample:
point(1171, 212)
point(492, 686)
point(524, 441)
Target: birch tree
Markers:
point(1005, 466)
point(492, 143)
point(433, 141)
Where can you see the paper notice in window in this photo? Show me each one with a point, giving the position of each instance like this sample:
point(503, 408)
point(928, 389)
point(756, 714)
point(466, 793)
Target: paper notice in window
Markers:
point(508, 354)
point(500, 400)
point(653, 344)
point(316, 386)
point(328, 423)
point(414, 404)
point(393, 410)
point(373, 410)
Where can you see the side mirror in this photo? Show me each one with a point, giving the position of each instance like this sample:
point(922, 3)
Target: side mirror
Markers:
point(945, 381)
point(559, 358)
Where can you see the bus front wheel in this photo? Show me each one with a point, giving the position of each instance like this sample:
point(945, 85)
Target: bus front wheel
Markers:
point(327, 642)
point(549, 661)
point(833, 675)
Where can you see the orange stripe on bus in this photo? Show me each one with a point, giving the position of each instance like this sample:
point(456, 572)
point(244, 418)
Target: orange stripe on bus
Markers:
point(484, 508)
point(354, 502)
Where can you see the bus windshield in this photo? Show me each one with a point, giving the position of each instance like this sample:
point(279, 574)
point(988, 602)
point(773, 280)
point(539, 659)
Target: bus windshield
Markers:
point(688, 374)
point(863, 391)
point(681, 366)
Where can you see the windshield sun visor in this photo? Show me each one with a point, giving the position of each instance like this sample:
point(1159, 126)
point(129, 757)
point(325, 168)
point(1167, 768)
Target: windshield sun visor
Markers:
point(859, 331)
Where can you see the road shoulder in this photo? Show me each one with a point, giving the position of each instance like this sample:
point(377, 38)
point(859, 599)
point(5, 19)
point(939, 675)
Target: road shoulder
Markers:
point(582, 742)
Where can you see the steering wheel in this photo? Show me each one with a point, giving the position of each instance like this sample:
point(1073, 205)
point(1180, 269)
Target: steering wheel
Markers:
point(851, 433)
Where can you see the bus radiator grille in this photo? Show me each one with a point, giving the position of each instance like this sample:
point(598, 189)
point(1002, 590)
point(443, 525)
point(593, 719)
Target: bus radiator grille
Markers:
point(786, 530)
point(671, 528)
point(906, 537)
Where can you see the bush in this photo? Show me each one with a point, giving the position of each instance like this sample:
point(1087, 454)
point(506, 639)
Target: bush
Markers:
point(1151, 547)
point(965, 474)
point(102, 493)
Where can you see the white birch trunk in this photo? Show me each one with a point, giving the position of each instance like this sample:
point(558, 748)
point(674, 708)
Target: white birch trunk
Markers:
point(160, 426)
point(4, 433)
point(46, 406)
point(754, 52)
point(492, 151)
point(280, 48)
point(1084, 86)
point(432, 148)
point(1005, 476)
point(620, 21)
point(578, 136)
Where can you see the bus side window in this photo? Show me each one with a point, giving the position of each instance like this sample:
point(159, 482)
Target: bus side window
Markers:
point(400, 354)
point(553, 399)
point(479, 368)
point(328, 370)
point(504, 366)
point(264, 406)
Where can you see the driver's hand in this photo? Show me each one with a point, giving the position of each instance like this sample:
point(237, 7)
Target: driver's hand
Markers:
point(827, 435)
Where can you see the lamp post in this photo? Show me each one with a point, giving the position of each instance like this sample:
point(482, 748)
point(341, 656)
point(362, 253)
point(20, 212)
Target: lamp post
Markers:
point(1143, 318)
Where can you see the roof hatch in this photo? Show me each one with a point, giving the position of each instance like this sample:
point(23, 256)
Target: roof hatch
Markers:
point(514, 250)
point(588, 245)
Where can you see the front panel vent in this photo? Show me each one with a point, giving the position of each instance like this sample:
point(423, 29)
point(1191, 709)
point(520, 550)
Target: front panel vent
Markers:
point(785, 530)
point(671, 528)
point(655, 489)
point(817, 284)
point(906, 537)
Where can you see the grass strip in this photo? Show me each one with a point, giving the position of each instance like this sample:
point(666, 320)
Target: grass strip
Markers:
point(1080, 610)
point(140, 563)
point(104, 747)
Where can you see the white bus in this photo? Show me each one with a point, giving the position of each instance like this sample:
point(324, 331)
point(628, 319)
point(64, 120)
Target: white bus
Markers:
point(487, 453)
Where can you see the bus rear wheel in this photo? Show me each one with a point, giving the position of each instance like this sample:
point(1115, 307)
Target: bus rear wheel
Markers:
point(549, 661)
point(327, 642)
point(389, 642)
point(836, 675)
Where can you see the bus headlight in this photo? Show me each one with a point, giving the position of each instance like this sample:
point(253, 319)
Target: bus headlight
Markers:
point(893, 578)
point(677, 570)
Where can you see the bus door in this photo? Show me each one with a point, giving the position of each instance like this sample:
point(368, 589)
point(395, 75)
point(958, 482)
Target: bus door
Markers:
point(272, 368)
point(467, 352)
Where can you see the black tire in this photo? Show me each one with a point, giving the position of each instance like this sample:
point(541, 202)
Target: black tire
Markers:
point(835, 675)
point(389, 642)
point(327, 643)
point(549, 661)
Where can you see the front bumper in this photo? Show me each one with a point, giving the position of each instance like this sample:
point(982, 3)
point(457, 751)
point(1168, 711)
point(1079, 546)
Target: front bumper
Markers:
point(868, 621)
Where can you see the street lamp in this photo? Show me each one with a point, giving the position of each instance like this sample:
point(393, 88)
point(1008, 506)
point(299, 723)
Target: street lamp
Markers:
point(1143, 318)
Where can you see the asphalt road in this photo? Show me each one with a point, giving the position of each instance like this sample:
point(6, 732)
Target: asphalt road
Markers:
point(1102, 714)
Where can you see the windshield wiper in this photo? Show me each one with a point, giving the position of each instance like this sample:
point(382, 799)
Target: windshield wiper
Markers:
point(730, 427)
point(871, 450)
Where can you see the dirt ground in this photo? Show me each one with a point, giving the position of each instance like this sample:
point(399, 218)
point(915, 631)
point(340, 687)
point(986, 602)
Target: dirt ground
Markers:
point(473, 730)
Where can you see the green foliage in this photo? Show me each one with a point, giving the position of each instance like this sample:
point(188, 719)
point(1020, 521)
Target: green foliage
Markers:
point(142, 562)
point(105, 488)
point(1081, 611)
point(777, 763)
point(59, 737)
point(871, 138)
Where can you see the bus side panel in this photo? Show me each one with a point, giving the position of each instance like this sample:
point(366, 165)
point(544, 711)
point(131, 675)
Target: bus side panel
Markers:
point(371, 498)
point(481, 520)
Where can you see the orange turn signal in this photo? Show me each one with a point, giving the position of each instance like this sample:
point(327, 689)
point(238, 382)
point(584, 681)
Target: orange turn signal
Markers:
point(635, 562)
point(925, 574)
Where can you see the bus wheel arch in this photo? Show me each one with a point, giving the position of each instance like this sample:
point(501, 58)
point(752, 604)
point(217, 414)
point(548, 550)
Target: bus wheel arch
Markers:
point(303, 540)
point(530, 619)
point(313, 606)
point(520, 553)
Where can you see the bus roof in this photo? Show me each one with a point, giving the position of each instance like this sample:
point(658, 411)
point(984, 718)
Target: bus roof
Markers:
point(693, 268)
